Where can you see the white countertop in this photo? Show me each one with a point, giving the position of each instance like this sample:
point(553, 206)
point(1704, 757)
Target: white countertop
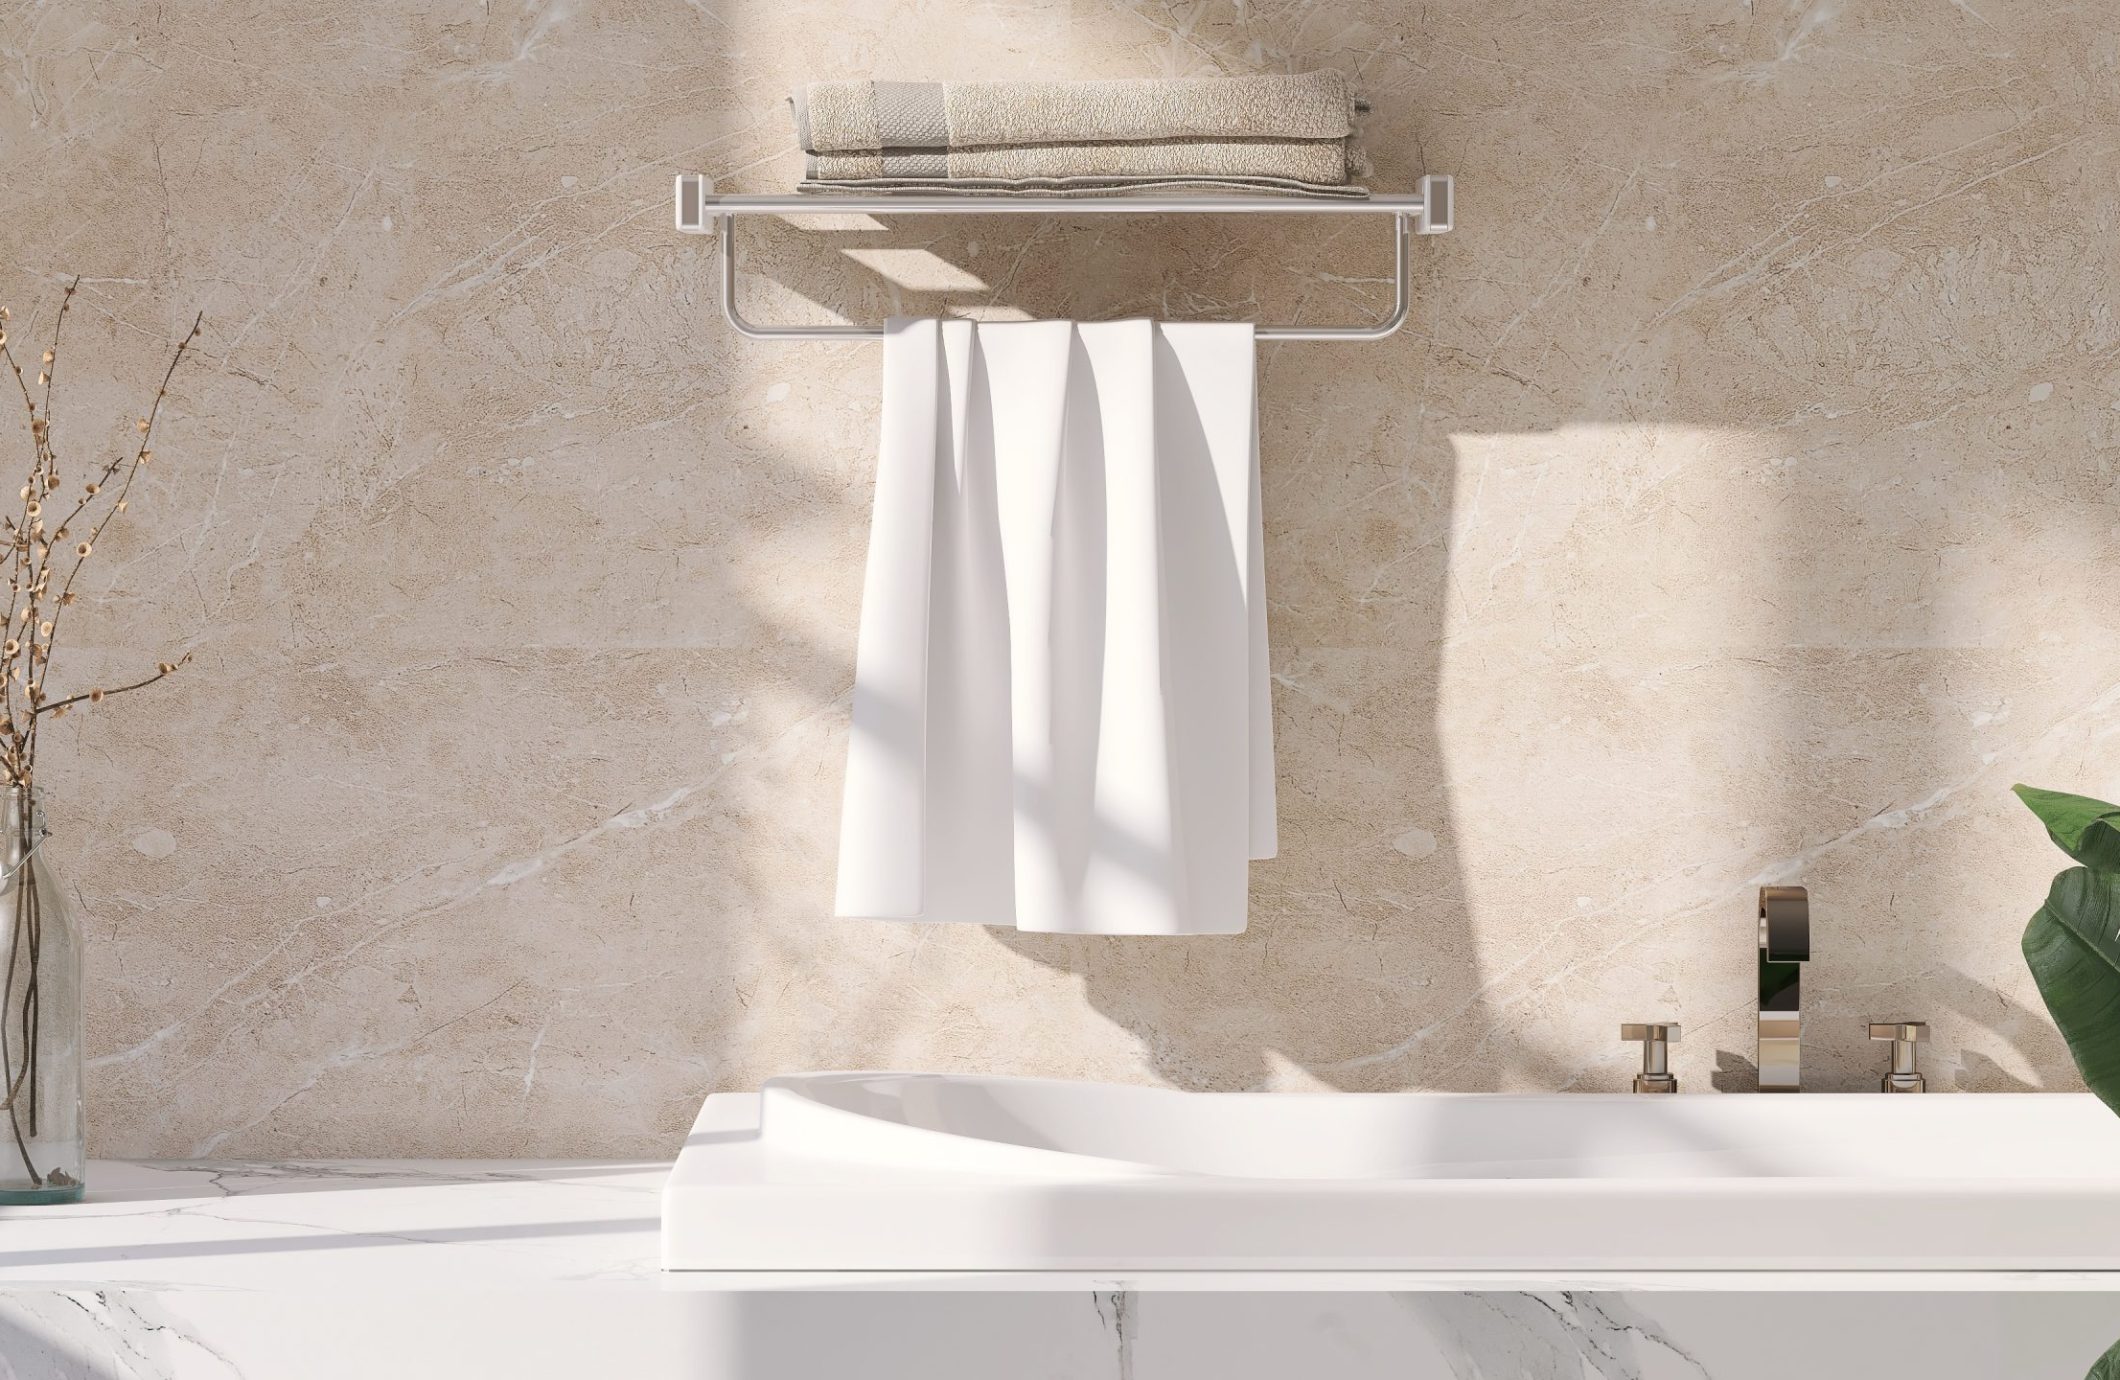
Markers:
point(550, 1271)
point(526, 1225)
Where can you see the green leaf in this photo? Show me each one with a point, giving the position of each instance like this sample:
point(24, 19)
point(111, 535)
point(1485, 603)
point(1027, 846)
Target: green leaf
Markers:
point(2107, 1366)
point(2087, 830)
point(2073, 948)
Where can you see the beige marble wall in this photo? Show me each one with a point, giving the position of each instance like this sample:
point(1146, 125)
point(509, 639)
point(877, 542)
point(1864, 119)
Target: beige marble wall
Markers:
point(1742, 503)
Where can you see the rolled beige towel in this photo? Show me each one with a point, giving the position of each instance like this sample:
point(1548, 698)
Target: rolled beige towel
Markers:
point(1294, 128)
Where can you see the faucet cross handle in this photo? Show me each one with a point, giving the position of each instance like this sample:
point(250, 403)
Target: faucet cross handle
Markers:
point(1656, 1040)
point(1904, 1035)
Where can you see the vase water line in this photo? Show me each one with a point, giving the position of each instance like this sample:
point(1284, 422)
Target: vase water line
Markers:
point(42, 1152)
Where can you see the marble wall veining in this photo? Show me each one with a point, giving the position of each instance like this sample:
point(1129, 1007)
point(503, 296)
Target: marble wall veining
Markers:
point(1742, 503)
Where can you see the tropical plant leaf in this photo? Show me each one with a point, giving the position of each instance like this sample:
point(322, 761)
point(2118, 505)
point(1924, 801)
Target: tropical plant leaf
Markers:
point(2107, 1366)
point(2073, 949)
point(2087, 830)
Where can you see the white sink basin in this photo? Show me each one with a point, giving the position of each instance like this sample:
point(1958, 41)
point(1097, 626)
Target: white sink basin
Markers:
point(863, 1171)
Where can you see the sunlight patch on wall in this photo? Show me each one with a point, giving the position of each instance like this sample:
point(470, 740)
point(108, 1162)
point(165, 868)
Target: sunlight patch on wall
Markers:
point(916, 270)
point(1613, 595)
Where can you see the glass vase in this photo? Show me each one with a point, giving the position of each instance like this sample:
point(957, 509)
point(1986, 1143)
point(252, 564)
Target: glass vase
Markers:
point(42, 1154)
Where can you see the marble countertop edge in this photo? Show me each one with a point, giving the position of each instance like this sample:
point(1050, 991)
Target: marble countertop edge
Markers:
point(475, 1227)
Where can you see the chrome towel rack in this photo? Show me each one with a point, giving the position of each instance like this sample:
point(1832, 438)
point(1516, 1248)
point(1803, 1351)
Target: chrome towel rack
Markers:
point(701, 212)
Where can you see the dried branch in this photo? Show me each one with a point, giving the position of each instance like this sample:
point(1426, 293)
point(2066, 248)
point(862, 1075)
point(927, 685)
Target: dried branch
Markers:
point(162, 672)
point(141, 455)
point(51, 355)
point(36, 541)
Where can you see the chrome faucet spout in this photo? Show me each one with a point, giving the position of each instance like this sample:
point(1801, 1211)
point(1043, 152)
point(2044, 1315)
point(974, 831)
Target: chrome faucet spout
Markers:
point(1784, 947)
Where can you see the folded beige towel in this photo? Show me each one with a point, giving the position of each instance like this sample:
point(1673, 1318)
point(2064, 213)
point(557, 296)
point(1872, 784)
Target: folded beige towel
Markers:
point(1277, 129)
point(1297, 160)
point(870, 116)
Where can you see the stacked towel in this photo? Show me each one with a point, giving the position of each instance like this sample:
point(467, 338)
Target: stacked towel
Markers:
point(1292, 135)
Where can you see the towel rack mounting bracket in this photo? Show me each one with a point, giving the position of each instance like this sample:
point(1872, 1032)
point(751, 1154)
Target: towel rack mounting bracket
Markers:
point(1427, 211)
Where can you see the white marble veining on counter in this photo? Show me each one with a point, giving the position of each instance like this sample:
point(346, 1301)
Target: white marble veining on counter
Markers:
point(1099, 1335)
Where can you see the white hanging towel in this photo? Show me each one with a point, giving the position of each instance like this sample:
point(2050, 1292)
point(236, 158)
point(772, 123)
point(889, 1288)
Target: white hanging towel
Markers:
point(1062, 719)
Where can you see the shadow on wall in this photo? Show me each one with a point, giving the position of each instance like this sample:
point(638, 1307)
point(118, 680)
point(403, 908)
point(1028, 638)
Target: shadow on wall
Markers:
point(1692, 494)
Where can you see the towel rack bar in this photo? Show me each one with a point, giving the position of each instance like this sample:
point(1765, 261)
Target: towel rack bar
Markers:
point(700, 212)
